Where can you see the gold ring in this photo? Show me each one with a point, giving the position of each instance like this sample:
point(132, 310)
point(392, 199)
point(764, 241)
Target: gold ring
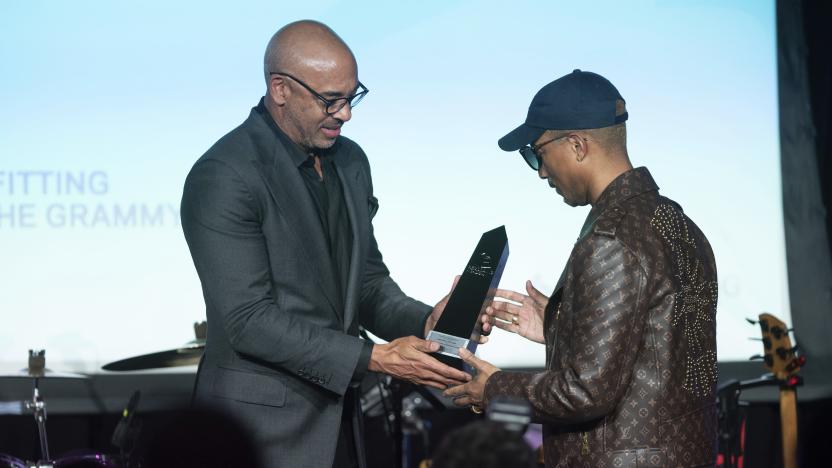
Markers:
point(476, 409)
point(515, 319)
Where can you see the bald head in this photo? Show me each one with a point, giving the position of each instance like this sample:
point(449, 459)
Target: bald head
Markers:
point(308, 68)
point(306, 46)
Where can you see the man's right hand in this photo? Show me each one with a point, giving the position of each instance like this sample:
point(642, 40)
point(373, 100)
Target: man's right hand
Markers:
point(523, 315)
point(407, 359)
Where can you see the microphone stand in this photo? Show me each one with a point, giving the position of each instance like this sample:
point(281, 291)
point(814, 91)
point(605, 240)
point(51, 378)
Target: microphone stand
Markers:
point(399, 390)
point(728, 410)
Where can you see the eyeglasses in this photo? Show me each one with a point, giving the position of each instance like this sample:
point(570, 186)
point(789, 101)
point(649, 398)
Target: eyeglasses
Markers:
point(532, 157)
point(332, 106)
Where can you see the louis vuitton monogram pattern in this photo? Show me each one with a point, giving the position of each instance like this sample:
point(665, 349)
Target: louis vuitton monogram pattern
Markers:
point(630, 340)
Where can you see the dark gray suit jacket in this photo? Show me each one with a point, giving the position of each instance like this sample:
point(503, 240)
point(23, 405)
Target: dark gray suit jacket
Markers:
point(281, 352)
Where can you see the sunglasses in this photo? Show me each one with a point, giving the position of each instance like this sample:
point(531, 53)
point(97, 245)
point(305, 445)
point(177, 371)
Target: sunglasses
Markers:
point(531, 153)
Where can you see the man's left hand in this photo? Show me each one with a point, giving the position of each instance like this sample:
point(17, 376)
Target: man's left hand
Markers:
point(471, 393)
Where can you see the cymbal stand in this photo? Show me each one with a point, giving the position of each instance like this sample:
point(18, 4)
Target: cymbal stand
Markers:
point(37, 366)
point(38, 407)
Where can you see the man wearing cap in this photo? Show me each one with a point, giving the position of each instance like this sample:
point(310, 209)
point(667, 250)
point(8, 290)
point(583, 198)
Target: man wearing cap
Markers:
point(630, 330)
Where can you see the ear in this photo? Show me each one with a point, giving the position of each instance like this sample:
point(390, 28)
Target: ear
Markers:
point(579, 147)
point(278, 89)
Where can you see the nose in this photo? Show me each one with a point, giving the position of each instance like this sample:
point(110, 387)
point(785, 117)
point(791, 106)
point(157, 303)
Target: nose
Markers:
point(541, 172)
point(344, 114)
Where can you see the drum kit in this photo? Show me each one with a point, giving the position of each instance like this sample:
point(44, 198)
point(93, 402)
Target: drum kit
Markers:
point(189, 354)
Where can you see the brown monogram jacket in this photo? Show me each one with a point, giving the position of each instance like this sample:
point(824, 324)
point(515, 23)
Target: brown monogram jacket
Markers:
point(630, 330)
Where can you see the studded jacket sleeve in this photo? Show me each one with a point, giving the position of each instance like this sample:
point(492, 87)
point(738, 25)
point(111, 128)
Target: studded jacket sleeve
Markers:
point(592, 337)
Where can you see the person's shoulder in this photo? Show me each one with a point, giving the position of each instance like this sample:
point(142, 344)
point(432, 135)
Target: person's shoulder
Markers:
point(350, 148)
point(350, 154)
point(230, 157)
point(644, 224)
point(630, 223)
point(671, 223)
point(234, 144)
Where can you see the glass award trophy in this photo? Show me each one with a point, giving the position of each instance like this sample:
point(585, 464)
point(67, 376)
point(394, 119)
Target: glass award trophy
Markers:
point(459, 325)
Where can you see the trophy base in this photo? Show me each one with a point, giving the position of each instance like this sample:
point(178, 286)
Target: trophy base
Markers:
point(448, 344)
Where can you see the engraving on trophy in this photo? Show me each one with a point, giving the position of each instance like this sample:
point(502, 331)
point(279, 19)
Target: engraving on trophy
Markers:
point(483, 268)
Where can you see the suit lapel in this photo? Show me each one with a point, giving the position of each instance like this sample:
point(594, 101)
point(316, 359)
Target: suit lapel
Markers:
point(294, 202)
point(350, 175)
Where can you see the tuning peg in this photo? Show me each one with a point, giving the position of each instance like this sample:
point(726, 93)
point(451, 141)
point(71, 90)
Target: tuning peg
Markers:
point(756, 357)
point(751, 321)
point(782, 353)
point(763, 325)
point(794, 381)
point(752, 338)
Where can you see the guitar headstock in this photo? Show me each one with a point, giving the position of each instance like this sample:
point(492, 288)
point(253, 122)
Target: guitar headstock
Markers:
point(780, 356)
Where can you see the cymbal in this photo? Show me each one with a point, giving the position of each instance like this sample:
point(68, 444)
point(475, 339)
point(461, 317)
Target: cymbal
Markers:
point(187, 355)
point(43, 374)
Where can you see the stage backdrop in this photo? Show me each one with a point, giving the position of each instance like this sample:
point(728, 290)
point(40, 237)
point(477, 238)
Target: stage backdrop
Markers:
point(104, 107)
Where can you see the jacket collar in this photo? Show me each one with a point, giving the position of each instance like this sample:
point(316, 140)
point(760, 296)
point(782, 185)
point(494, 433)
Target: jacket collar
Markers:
point(624, 187)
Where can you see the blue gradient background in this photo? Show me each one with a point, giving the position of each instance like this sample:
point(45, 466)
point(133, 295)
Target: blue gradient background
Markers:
point(141, 89)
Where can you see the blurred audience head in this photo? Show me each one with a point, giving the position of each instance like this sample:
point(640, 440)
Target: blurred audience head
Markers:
point(200, 438)
point(483, 444)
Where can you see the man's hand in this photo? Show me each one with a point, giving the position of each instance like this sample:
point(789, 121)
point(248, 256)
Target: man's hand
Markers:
point(471, 393)
point(524, 315)
point(407, 359)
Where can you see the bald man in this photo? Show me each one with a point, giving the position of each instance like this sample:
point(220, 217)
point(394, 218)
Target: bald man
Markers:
point(278, 218)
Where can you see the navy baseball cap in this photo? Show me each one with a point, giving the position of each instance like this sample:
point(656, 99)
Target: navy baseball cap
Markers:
point(578, 101)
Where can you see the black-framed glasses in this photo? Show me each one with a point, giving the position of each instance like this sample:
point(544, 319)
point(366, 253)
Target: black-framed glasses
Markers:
point(532, 157)
point(331, 106)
